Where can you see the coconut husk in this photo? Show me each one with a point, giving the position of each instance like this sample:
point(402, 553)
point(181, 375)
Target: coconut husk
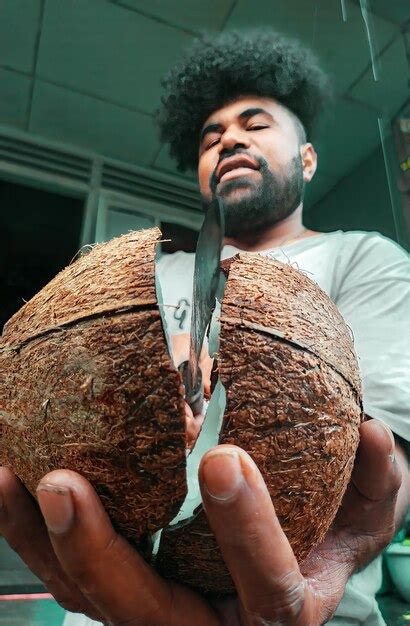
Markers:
point(87, 383)
point(293, 387)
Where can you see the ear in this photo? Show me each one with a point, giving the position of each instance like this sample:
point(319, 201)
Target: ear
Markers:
point(309, 160)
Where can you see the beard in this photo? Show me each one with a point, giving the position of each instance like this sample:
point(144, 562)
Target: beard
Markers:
point(262, 203)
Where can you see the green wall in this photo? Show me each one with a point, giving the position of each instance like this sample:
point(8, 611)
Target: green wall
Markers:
point(360, 201)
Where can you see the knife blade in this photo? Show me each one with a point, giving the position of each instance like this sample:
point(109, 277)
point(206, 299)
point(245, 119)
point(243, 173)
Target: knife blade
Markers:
point(206, 280)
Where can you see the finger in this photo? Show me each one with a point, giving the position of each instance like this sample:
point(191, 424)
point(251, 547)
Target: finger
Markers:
point(365, 522)
point(180, 348)
point(206, 364)
point(192, 426)
point(255, 549)
point(23, 527)
point(376, 479)
point(105, 567)
point(376, 458)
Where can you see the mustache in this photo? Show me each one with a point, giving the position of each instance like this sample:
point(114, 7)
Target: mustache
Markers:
point(213, 179)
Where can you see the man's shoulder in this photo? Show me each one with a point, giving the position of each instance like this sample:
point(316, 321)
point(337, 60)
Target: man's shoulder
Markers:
point(370, 248)
point(366, 260)
point(359, 249)
point(362, 238)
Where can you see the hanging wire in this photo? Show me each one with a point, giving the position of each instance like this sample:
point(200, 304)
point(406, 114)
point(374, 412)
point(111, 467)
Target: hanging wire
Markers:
point(314, 25)
point(344, 12)
point(383, 124)
point(367, 20)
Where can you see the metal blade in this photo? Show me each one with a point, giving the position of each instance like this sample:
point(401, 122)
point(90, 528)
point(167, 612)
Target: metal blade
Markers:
point(206, 279)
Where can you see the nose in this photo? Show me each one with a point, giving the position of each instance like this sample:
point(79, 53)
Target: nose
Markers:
point(234, 138)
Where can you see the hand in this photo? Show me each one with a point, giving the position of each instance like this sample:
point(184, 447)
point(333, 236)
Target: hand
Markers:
point(272, 588)
point(91, 569)
point(180, 353)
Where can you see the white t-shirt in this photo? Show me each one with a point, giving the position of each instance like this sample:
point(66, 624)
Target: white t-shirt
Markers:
point(368, 278)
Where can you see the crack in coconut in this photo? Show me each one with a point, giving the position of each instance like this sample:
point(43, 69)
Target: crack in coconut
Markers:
point(280, 336)
point(126, 307)
point(210, 430)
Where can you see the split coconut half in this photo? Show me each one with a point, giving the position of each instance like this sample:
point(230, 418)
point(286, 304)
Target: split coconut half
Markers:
point(88, 383)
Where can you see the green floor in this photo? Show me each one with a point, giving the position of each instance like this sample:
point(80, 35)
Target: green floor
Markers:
point(26, 613)
point(48, 613)
point(16, 578)
point(396, 611)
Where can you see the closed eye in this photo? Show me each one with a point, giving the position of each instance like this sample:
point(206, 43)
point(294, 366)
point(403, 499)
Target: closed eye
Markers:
point(211, 143)
point(257, 127)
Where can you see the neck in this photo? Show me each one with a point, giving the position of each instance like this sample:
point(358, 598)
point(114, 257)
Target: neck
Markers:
point(286, 230)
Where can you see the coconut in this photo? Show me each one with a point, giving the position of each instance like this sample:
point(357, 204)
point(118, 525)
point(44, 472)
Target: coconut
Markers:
point(87, 383)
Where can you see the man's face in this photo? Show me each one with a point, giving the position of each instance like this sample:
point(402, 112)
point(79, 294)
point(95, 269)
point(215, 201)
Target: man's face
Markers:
point(250, 157)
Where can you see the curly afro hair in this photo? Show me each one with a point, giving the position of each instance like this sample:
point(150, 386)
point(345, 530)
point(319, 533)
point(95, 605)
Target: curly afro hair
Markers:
point(217, 69)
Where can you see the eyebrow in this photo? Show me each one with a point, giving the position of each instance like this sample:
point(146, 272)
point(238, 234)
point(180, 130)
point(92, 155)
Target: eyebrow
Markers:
point(245, 115)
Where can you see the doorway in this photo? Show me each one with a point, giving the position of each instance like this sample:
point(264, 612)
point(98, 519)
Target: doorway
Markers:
point(39, 235)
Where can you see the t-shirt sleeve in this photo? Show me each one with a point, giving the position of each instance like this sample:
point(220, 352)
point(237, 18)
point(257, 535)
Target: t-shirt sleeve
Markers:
point(374, 299)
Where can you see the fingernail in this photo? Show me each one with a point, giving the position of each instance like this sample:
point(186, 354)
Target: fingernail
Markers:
point(392, 456)
point(56, 505)
point(387, 429)
point(222, 475)
point(393, 442)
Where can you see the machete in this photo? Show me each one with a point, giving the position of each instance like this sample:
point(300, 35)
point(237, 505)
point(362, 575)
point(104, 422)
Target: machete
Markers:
point(206, 280)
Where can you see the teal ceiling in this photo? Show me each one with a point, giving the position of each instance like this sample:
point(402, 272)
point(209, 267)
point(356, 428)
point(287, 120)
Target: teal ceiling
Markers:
point(195, 15)
point(342, 46)
point(107, 51)
point(87, 72)
point(93, 123)
point(397, 11)
point(391, 89)
point(14, 97)
point(19, 29)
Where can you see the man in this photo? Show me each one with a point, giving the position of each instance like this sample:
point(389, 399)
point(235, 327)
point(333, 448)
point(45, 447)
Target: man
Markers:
point(251, 99)
point(256, 96)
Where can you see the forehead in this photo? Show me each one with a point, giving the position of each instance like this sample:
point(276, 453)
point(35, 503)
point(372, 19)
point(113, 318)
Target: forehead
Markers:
point(232, 110)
